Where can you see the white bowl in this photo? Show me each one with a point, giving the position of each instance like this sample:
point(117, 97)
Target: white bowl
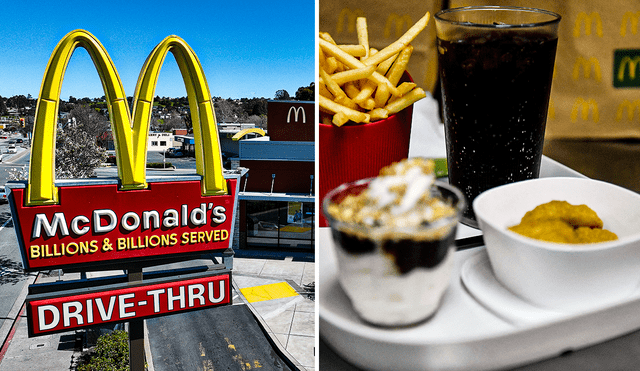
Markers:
point(566, 277)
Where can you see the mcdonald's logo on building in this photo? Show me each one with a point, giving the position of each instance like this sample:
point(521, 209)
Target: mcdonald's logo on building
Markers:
point(625, 68)
point(589, 20)
point(95, 223)
point(629, 19)
point(630, 107)
point(582, 107)
point(587, 65)
point(402, 23)
point(296, 111)
point(347, 17)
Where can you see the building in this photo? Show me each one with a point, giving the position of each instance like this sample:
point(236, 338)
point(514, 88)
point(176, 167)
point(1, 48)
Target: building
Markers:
point(160, 142)
point(227, 133)
point(277, 196)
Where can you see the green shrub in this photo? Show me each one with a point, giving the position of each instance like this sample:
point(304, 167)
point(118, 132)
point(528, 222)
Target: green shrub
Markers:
point(159, 165)
point(111, 353)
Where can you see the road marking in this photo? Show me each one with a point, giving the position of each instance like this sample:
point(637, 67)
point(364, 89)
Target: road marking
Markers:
point(268, 292)
point(5, 224)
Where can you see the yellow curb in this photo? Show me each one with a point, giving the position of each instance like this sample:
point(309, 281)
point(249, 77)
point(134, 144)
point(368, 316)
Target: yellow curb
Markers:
point(268, 292)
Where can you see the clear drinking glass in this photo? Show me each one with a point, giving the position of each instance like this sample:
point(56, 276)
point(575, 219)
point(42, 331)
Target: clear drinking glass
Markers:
point(496, 65)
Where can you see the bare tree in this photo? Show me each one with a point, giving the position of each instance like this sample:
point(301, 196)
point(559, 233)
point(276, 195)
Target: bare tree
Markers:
point(77, 154)
point(172, 123)
point(89, 120)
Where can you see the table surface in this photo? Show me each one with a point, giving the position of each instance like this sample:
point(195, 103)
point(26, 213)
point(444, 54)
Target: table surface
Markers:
point(617, 162)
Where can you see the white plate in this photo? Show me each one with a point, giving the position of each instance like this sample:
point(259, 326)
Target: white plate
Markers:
point(484, 329)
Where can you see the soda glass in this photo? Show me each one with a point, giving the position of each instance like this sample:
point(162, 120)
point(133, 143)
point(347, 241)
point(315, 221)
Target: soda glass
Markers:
point(496, 65)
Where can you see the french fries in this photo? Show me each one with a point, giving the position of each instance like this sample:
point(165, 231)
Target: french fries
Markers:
point(360, 84)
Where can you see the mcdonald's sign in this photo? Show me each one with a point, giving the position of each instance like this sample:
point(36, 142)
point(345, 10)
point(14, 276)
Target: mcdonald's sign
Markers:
point(583, 107)
point(588, 20)
point(630, 106)
point(97, 223)
point(291, 120)
point(402, 23)
point(625, 68)
point(299, 110)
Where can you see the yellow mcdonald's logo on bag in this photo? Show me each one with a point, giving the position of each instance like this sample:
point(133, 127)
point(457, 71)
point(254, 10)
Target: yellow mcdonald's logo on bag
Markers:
point(632, 63)
point(587, 65)
point(630, 106)
point(588, 21)
point(623, 58)
point(400, 22)
point(584, 107)
point(629, 18)
point(130, 128)
point(350, 16)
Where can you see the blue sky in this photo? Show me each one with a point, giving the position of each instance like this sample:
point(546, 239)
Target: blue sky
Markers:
point(247, 48)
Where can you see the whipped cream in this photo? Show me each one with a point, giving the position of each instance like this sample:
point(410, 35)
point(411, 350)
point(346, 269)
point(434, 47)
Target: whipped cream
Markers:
point(401, 196)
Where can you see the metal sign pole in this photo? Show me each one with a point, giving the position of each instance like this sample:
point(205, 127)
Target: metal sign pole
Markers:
point(136, 331)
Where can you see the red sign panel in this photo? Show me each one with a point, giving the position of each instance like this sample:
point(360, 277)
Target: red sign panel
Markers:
point(124, 303)
point(98, 225)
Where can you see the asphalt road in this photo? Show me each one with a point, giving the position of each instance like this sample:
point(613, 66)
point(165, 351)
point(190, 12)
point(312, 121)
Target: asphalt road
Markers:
point(13, 280)
point(9, 161)
point(231, 340)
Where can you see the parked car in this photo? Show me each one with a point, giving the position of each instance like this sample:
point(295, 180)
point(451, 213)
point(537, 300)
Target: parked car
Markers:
point(3, 195)
point(12, 149)
point(173, 152)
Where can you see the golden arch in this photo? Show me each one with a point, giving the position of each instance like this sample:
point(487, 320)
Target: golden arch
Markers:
point(399, 22)
point(629, 17)
point(632, 63)
point(244, 132)
point(588, 22)
point(630, 106)
point(130, 135)
point(586, 67)
point(350, 16)
point(584, 106)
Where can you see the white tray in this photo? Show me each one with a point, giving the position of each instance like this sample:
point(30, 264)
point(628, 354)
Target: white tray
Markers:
point(480, 325)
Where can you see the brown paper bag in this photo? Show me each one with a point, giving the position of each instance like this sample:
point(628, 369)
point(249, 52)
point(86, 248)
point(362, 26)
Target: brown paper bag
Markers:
point(387, 21)
point(597, 74)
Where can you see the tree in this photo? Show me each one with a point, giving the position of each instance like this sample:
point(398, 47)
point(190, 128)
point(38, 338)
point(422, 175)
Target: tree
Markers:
point(306, 93)
point(18, 101)
point(259, 121)
point(110, 353)
point(257, 107)
point(77, 153)
point(89, 120)
point(172, 123)
point(3, 107)
point(227, 110)
point(282, 95)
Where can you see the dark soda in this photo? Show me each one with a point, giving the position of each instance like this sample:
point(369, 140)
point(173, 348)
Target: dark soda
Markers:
point(495, 95)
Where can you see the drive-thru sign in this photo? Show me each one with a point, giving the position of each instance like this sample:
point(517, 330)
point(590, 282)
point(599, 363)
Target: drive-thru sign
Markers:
point(118, 303)
point(129, 222)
